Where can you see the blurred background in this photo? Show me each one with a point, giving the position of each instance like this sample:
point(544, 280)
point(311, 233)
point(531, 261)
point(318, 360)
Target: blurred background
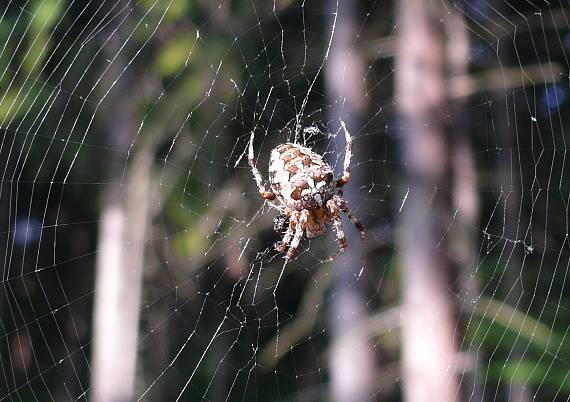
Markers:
point(137, 255)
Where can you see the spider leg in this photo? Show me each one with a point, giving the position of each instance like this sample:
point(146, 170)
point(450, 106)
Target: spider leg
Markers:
point(284, 243)
point(299, 230)
point(347, 157)
point(344, 207)
point(337, 224)
point(268, 195)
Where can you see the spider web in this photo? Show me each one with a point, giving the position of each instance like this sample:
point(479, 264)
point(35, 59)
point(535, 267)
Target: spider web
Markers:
point(88, 89)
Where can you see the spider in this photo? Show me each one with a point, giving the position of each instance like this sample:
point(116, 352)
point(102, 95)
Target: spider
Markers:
point(304, 190)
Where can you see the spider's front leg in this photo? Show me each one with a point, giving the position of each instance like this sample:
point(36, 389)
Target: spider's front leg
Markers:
point(347, 157)
point(337, 224)
point(268, 195)
point(299, 230)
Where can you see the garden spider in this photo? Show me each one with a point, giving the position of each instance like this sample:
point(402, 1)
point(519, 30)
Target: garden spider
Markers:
point(304, 190)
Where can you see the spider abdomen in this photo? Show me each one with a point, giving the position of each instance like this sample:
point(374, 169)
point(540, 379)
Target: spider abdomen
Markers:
point(300, 178)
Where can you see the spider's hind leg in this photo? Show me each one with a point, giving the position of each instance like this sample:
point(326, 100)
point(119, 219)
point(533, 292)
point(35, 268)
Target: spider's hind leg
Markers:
point(299, 230)
point(337, 224)
point(344, 207)
point(284, 243)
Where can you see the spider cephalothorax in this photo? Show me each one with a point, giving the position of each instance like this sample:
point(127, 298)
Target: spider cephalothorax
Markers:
point(304, 190)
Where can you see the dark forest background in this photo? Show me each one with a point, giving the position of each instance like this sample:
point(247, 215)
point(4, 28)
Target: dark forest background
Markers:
point(137, 257)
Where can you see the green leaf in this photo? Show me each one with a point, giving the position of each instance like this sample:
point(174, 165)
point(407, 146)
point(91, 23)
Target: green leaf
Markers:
point(174, 55)
point(531, 373)
point(36, 54)
point(12, 105)
point(46, 14)
point(523, 371)
point(178, 9)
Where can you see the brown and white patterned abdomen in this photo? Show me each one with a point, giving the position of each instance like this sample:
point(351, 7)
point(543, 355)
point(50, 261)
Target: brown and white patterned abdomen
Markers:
point(300, 178)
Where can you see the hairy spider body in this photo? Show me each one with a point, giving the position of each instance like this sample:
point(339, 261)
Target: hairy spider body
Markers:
point(303, 188)
point(300, 178)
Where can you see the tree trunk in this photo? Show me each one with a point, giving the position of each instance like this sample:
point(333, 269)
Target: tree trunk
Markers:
point(352, 365)
point(428, 320)
point(120, 258)
point(465, 197)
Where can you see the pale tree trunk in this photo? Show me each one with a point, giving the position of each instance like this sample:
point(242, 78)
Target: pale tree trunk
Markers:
point(120, 257)
point(352, 359)
point(465, 199)
point(118, 286)
point(428, 318)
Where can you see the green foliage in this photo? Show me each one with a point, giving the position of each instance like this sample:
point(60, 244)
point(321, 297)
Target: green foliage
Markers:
point(175, 10)
point(46, 13)
point(178, 9)
point(498, 330)
point(531, 373)
point(23, 79)
point(173, 56)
